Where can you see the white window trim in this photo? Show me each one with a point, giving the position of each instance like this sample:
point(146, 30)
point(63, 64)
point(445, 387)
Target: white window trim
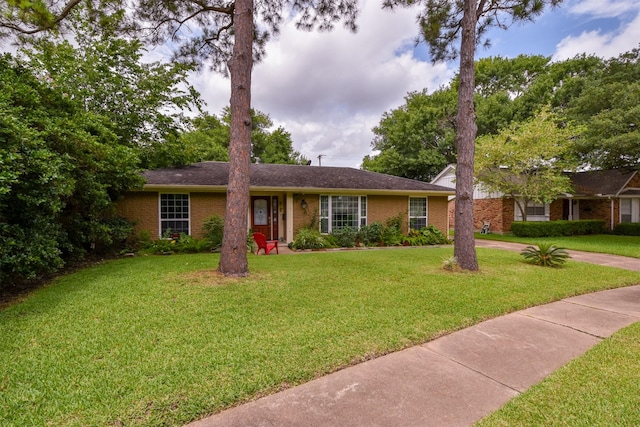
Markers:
point(361, 199)
point(161, 220)
point(517, 215)
point(426, 211)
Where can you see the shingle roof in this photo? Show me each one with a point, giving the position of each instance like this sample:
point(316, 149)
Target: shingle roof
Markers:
point(288, 177)
point(603, 182)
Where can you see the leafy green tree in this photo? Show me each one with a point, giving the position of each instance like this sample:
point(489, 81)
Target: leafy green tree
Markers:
point(207, 138)
point(416, 140)
point(527, 160)
point(61, 170)
point(268, 146)
point(442, 24)
point(144, 101)
point(609, 106)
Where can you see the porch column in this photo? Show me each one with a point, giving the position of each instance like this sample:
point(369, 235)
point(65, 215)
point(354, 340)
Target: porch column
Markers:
point(612, 213)
point(289, 222)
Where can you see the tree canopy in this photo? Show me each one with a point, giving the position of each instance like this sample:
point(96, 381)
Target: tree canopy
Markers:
point(528, 160)
point(62, 168)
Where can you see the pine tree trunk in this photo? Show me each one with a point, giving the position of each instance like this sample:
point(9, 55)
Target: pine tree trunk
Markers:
point(233, 257)
point(464, 244)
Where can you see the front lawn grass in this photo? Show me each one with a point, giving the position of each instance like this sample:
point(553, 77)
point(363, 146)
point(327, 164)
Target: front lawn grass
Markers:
point(601, 388)
point(602, 243)
point(165, 340)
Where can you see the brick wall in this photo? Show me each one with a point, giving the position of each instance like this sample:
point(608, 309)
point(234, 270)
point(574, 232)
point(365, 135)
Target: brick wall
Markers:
point(301, 217)
point(438, 213)
point(556, 209)
point(498, 212)
point(381, 208)
point(595, 209)
point(204, 205)
point(142, 208)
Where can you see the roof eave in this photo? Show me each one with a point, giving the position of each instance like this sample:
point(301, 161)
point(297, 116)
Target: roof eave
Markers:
point(314, 190)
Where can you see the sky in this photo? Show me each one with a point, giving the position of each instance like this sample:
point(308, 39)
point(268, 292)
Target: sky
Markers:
point(330, 89)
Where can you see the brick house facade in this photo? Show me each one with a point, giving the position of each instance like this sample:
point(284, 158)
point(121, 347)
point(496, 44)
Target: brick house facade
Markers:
point(283, 199)
point(609, 195)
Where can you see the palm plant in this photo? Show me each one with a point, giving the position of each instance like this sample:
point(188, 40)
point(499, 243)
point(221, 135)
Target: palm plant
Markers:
point(546, 255)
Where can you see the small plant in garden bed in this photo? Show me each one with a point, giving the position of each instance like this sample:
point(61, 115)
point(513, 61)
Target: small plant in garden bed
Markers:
point(546, 255)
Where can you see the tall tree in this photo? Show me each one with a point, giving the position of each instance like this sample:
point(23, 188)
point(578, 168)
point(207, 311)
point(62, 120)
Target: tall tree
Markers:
point(222, 34)
point(443, 23)
point(145, 101)
point(416, 140)
point(609, 106)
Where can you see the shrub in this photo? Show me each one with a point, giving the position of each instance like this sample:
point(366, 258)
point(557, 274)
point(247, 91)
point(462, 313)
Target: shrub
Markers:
point(557, 228)
point(546, 255)
point(426, 236)
point(627, 229)
point(212, 230)
point(370, 235)
point(191, 245)
point(308, 238)
point(345, 237)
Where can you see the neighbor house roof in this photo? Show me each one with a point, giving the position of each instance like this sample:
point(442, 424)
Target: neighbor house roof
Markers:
point(215, 175)
point(602, 182)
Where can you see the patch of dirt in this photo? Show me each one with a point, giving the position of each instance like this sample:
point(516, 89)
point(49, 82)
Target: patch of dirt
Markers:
point(215, 278)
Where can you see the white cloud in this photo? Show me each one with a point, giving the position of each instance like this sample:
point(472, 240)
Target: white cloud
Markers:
point(330, 89)
point(605, 44)
point(603, 8)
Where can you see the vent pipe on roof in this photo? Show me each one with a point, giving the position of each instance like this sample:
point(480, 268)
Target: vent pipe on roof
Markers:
point(320, 156)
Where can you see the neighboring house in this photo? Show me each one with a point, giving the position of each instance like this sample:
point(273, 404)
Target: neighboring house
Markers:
point(283, 199)
point(609, 195)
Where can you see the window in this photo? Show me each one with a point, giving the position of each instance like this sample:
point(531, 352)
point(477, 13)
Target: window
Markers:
point(630, 210)
point(338, 212)
point(174, 213)
point(417, 212)
point(535, 209)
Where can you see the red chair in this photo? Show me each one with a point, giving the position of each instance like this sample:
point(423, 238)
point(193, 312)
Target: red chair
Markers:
point(263, 243)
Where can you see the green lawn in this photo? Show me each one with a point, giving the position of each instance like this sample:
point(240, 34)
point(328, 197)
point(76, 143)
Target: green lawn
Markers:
point(601, 388)
point(603, 243)
point(163, 340)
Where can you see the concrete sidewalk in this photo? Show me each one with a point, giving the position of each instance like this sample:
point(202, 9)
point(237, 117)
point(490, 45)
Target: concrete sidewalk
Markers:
point(451, 381)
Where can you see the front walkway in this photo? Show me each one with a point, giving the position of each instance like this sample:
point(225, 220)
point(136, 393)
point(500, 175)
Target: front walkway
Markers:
point(457, 379)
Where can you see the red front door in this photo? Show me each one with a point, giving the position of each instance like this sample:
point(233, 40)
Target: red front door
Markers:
point(261, 215)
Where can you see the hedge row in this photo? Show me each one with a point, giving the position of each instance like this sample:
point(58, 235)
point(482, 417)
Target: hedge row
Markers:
point(557, 228)
point(628, 229)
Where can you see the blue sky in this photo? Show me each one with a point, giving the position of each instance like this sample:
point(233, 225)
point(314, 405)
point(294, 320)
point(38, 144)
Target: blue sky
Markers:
point(330, 89)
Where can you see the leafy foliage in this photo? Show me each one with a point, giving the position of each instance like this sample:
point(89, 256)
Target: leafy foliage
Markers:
point(557, 228)
point(426, 236)
point(527, 161)
point(307, 238)
point(628, 229)
point(416, 140)
point(546, 255)
point(144, 102)
point(62, 169)
point(213, 230)
point(345, 237)
point(609, 106)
